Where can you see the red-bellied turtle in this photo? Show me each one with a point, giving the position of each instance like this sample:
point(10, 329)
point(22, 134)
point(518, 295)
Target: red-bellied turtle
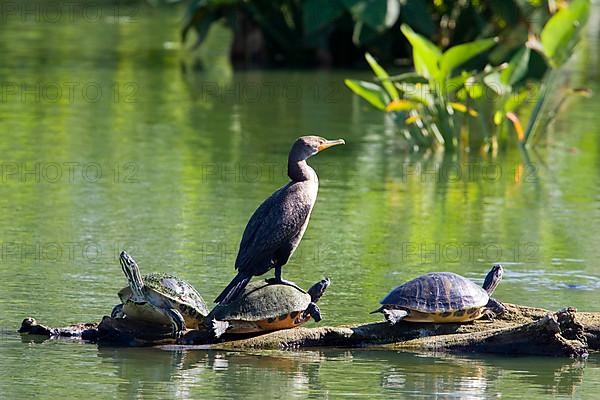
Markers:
point(159, 298)
point(264, 306)
point(442, 297)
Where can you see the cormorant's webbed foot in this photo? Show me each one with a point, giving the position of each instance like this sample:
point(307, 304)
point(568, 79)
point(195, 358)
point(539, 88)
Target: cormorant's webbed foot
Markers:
point(275, 281)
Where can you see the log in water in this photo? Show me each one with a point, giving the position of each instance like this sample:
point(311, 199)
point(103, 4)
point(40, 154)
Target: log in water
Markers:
point(521, 331)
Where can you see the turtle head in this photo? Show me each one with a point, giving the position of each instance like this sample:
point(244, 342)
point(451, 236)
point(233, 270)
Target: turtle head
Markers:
point(493, 278)
point(317, 290)
point(125, 258)
point(134, 278)
point(27, 325)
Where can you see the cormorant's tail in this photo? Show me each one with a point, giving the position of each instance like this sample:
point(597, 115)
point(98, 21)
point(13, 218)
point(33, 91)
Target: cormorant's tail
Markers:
point(234, 288)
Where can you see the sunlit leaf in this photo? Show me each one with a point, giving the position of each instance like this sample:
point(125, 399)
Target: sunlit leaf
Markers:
point(412, 119)
point(463, 109)
point(560, 32)
point(498, 116)
point(426, 55)
point(372, 93)
point(383, 77)
point(455, 56)
point(401, 105)
point(458, 107)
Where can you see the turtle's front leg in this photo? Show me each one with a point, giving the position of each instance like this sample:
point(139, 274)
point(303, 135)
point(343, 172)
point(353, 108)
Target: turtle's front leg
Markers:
point(177, 320)
point(117, 311)
point(496, 307)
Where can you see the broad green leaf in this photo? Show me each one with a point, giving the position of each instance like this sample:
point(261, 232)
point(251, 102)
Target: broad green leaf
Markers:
point(383, 76)
point(318, 14)
point(560, 32)
point(371, 92)
point(455, 56)
point(517, 67)
point(426, 55)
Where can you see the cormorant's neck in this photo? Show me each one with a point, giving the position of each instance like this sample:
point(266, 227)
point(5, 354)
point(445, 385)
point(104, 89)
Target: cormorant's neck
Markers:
point(299, 170)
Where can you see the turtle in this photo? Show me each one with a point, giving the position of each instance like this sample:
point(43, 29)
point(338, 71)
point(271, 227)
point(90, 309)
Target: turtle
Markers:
point(268, 306)
point(443, 297)
point(159, 298)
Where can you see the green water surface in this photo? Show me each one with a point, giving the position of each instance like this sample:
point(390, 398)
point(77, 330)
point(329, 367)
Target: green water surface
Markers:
point(110, 140)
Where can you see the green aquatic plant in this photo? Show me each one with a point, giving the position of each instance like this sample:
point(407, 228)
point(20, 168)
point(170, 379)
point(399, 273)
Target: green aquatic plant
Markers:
point(425, 101)
point(449, 101)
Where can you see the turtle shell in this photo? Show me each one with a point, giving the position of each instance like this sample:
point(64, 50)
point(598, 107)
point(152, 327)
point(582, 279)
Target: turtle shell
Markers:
point(262, 301)
point(169, 290)
point(437, 292)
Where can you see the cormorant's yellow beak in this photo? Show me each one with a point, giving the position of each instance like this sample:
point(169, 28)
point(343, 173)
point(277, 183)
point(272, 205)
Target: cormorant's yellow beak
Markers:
point(331, 143)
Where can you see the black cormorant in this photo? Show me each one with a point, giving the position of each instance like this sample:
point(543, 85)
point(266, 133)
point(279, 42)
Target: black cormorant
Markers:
point(278, 224)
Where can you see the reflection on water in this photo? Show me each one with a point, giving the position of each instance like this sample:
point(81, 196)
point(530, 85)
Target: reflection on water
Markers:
point(317, 373)
point(185, 164)
point(155, 373)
